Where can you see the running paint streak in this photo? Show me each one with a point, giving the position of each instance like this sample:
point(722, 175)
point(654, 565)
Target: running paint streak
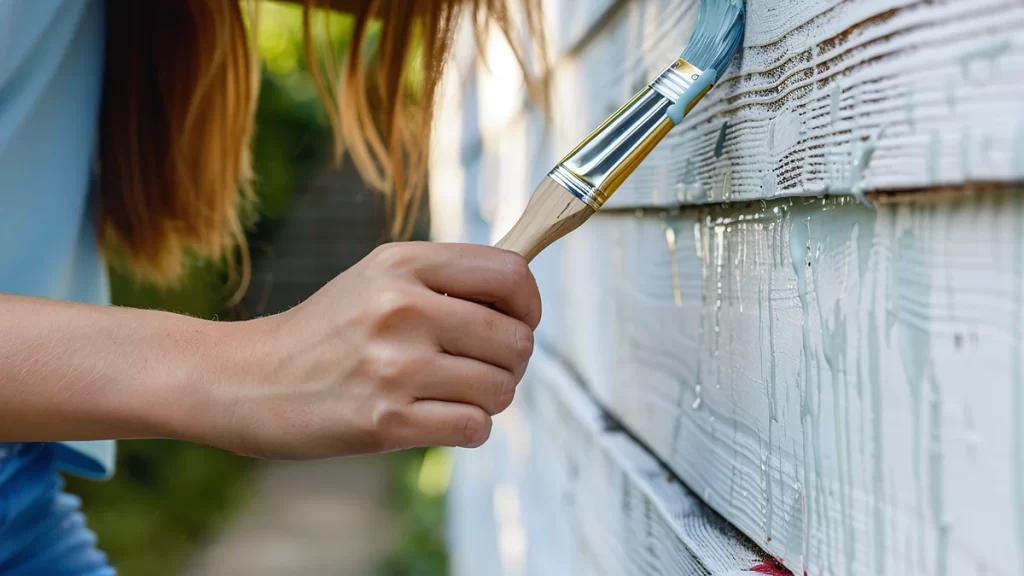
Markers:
point(804, 379)
point(844, 97)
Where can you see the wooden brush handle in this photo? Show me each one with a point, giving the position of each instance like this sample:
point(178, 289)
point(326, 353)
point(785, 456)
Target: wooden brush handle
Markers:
point(551, 213)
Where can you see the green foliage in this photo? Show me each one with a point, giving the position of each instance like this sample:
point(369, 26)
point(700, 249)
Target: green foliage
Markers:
point(165, 497)
point(168, 496)
point(202, 293)
point(418, 495)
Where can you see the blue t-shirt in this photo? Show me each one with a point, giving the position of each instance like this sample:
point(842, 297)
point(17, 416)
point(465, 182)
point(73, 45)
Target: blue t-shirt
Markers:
point(51, 81)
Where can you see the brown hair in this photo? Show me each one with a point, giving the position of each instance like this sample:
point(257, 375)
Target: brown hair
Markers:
point(180, 91)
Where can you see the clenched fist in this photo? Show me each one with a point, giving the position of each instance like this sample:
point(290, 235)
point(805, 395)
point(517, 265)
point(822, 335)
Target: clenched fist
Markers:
point(418, 344)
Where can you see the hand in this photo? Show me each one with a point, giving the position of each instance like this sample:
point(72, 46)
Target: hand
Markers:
point(418, 344)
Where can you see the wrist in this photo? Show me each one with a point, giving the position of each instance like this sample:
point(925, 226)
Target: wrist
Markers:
point(209, 365)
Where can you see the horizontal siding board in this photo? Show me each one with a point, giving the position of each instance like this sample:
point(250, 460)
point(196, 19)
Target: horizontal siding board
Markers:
point(861, 415)
point(841, 383)
point(825, 98)
point(588, 499)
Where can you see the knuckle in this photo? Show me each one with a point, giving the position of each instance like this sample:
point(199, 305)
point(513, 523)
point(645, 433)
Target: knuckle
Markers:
point(395, 304)
point(387, 365)
point(393, 256)
point(385, 418)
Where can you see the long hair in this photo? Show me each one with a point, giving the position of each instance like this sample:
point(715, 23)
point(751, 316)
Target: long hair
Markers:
point(180, 91)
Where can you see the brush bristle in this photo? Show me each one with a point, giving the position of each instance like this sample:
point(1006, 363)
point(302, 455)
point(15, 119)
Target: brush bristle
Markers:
point(716, 36)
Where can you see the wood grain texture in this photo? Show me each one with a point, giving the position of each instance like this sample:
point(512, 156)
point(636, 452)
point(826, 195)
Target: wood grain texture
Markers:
point(555, 491)
point(840, 379)
point(551, 213)
point(838, 97)
point(844, 384)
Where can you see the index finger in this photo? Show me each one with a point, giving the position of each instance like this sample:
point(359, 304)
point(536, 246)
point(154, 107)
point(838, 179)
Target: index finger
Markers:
point(482, 274)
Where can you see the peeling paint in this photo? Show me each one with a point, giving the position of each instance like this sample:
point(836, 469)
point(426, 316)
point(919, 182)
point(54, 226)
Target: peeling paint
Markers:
point(835, 103)
point(720, 142)
point(784, 133)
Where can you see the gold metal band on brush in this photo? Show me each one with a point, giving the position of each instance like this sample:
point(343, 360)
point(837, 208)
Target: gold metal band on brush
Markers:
point(595, 169)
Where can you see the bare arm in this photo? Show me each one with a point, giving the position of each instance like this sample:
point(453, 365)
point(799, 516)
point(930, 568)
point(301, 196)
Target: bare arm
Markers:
point(77, 372)
point(396, 352)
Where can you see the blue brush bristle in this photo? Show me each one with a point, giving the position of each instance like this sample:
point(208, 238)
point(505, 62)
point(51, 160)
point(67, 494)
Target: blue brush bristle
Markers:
point(716, 36)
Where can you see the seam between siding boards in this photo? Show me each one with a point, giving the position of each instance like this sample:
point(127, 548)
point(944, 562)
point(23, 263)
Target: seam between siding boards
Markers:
point(610, 424)
point(890, 196)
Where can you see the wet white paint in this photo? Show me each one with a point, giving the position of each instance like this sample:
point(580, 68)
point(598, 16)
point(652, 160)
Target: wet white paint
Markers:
point(842, 375)
point(841, 382)
point(589, 499)
point(821, 78)
point(784, 133)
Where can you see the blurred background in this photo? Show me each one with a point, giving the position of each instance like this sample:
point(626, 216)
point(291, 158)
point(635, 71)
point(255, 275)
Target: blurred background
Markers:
point(180, 509)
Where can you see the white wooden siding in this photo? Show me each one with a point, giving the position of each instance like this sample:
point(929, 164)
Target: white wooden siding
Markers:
point(840, 379)
point(555, 491)
point(825, 97)
point(842, 383)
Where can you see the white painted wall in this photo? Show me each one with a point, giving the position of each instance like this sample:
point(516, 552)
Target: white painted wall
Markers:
point(839, 380)
point(825, 96)
point(842, 383)
point(556, 492)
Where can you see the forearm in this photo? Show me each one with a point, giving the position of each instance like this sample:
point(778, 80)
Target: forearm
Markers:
point(393, 353)
point(76, 372)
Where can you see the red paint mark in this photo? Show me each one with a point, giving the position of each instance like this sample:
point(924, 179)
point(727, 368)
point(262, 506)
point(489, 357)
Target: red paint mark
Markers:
point(772, 568)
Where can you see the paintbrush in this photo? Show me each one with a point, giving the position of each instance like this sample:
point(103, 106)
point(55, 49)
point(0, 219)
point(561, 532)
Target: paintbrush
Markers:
point(586, 178)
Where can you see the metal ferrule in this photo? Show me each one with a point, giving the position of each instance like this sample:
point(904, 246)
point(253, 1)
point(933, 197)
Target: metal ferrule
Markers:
point(595, 169)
